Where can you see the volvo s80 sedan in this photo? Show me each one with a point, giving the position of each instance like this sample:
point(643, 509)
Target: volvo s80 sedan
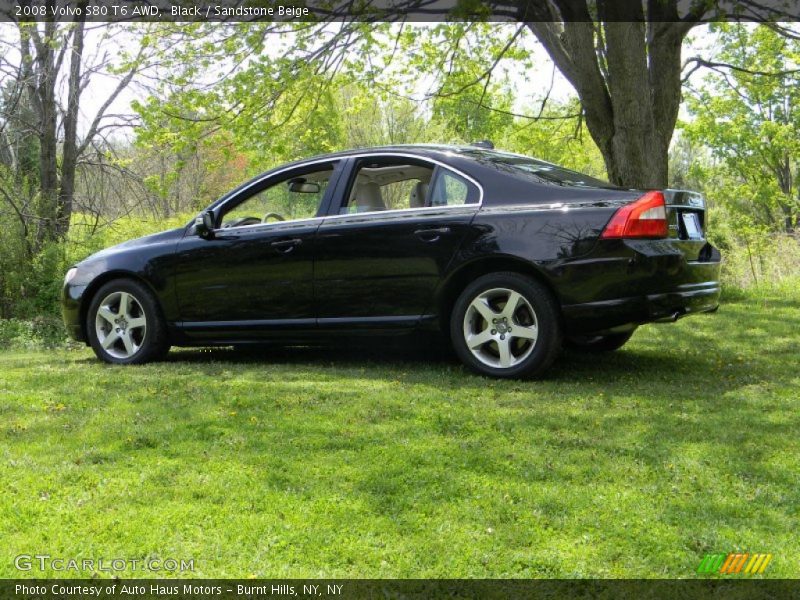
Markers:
point(511, 257)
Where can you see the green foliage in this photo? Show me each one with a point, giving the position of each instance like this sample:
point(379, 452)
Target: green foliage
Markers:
point(750, 123)
point(290, 100)
point(40, 286)
point(30, 284)
point(86, 237)
point(756, 252)
point(753, 256)
point(742, 149)
point(20, 145)
point(30, 264)
point(39, 332)
point(556, 137)
point(366, 463)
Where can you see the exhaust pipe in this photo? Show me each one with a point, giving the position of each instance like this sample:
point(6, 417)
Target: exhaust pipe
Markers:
point(671, 318)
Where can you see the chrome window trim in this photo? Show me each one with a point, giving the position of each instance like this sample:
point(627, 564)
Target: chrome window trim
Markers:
point(426, 159)
point(439, 163)
point(422, 209)
point(228, 230)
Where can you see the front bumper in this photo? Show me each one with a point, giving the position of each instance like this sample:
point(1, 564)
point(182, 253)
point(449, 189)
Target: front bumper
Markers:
point(71, 296)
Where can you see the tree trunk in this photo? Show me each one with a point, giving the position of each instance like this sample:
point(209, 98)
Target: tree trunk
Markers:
point(789, 218)
point(39, 76)
point(69, 157)
point(626, 71)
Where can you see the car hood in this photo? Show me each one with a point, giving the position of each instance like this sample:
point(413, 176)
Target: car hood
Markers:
point(147, 240)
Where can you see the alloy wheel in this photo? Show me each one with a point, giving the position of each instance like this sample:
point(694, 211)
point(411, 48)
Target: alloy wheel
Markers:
point(120, 324)
point(500, 328)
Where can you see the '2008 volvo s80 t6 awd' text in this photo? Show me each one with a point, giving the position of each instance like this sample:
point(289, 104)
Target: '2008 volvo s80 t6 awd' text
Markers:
point(510, 256)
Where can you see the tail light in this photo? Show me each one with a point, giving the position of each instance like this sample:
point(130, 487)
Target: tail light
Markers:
point(644, 218)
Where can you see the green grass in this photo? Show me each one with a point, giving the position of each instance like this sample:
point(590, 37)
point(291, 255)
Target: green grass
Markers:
point(314, 463)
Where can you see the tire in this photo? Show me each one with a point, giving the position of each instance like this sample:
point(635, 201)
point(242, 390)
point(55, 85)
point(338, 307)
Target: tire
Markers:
point(497, 348)
point(598, 343)
point(122, 310)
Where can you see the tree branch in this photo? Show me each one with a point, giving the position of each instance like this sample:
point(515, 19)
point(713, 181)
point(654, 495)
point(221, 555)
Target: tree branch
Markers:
point(702, 62)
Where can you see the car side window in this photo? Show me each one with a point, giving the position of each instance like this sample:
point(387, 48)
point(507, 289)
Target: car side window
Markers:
point(294, 197)
point(388, 184)
point(450, 189)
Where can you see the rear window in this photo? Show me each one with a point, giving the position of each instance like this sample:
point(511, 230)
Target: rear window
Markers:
point(535, 170)
point(450, 190)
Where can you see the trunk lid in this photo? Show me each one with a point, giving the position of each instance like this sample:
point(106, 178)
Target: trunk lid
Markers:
point(686, 216)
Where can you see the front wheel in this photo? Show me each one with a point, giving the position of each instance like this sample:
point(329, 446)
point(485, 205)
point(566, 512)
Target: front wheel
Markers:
point(125, 325)
point(506, 325)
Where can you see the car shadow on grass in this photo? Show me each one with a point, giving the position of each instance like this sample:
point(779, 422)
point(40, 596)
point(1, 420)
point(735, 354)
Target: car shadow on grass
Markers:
point(367, 350)
point(432, 354)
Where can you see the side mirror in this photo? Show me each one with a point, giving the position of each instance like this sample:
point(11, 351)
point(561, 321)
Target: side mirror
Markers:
point(204, 224)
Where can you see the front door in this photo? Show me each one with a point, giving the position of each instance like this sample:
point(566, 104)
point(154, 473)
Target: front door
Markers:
point(254, 276)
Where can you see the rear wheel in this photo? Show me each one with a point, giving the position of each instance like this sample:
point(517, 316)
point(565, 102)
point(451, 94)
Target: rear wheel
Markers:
point(598, 343)
point(125, 325)
point(506, 325)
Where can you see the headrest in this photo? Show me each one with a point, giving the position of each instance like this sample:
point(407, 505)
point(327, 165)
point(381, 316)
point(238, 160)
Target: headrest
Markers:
point(418, 195)
point(368, 197)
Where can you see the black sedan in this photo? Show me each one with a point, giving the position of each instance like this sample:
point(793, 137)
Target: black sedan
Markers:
point(510, 256)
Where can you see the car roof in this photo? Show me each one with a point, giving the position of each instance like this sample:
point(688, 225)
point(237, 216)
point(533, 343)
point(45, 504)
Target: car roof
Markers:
point(421, 149)
point(461, 152)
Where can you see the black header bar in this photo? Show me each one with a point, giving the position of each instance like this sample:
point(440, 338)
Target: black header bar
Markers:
point(411, 589)
point(398, 10)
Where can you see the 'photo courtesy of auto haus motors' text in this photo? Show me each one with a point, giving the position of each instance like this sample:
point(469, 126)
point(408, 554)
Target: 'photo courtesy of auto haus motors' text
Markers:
point(399, 299)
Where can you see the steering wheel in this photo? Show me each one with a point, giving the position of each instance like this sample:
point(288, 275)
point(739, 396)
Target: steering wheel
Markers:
point(241, 222)
point(272, 215)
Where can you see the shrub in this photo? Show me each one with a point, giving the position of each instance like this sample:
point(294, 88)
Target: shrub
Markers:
point(753, 255)
point(31, 282)
point(45, 331)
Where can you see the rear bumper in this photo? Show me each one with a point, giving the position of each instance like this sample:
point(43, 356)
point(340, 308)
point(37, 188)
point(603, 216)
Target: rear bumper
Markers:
point(660, 288)
point(606, 315)
point(692, 298)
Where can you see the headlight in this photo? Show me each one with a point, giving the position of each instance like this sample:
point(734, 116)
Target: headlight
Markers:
point(70, 274)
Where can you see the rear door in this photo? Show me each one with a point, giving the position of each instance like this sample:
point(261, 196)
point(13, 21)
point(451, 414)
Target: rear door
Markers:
point(396, 225)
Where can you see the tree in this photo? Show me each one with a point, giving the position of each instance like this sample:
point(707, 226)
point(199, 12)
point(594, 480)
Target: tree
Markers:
point(624, 61)
point(751, 121)
point(48, 79)
point(627, 76)
point(622, 58)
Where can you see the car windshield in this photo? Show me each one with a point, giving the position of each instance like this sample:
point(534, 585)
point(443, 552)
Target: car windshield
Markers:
point(537, 170)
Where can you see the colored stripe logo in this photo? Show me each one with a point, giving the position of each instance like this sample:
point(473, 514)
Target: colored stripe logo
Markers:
point(735, 562)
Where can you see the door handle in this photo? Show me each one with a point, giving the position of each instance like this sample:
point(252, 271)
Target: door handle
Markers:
point(432, 234)
point(286, 245)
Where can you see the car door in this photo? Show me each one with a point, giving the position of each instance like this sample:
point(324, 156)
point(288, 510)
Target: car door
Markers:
point(380, 259)
point(254, 276)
